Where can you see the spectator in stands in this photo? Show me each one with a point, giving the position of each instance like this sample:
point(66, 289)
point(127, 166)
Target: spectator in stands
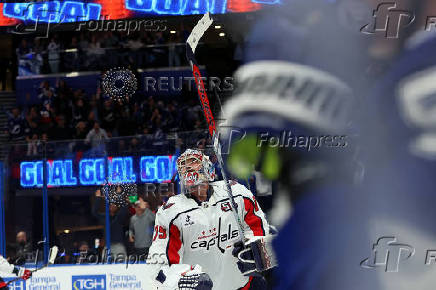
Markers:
point(45, 146)
point(23, 48)
point(71, 58)
point(63, 104)
point(95, 52)
point(108, 116)
point(53, 55)
point(141, 227)
point(79, 111)
point(32, 145)
point(125, 124)
point(118, 219)
point(60, 131)
point(110, 42)
point(137, 115)
point(62, 87)
point(174, 51)
point(173, 116)
point(80, 132)
point(37, 56)
point(17, 125)
point(85, 254)
point(83, 43)
point(44, 91)
point(122, 148)
point(46, 122)
point(4, 64)
point(23, 247)
point(135, 55)
point(33, 119)
point(96, 137)
point(134, 145)
point(93, 109)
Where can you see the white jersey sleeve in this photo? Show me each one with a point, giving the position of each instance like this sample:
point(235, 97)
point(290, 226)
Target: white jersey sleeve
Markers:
point(166, 251)
point(252, 217)
point(5, 267)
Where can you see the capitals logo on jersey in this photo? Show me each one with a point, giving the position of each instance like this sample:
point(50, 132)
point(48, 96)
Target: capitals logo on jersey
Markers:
point(225, 234)
point(226, 206)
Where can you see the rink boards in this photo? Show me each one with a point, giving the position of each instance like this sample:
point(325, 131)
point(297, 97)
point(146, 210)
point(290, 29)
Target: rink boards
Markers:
point(77, 277)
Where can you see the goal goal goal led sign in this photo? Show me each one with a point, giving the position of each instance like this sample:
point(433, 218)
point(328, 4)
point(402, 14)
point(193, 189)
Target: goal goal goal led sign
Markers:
point(86, 10)
point(95, 171)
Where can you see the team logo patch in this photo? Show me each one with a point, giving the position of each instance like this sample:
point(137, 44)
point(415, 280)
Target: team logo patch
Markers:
point(168, 205)
point(226, 206)
point(188, 221)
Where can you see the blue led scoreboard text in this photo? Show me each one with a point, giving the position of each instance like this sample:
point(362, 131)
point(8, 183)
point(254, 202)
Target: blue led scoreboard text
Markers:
point(93, 171)
point(87, 10)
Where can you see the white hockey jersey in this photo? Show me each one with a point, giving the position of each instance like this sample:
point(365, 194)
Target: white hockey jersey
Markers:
point(190, 233)
point(5, 267)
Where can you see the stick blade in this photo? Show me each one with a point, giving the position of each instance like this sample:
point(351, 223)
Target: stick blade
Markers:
point(53, 254)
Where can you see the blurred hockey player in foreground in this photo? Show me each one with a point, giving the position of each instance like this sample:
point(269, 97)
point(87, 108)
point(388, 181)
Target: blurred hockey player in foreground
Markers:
point(401, 165)
point(294, 105)
point(7, 268)
point(197, 231)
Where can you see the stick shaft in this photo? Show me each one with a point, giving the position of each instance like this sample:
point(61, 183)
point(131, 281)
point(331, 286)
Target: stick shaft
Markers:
point(192, 43)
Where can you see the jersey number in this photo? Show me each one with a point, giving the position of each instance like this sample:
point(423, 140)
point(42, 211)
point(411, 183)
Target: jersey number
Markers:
point(159, 232)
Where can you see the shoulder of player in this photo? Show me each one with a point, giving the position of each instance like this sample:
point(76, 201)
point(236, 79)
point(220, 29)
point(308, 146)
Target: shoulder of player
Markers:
point(173, 206)
point(237, 189)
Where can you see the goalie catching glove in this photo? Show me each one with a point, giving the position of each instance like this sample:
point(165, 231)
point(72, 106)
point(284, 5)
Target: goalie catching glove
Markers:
point(184, 277)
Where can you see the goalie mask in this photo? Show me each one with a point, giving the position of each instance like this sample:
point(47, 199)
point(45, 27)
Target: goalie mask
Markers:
point(194, 168)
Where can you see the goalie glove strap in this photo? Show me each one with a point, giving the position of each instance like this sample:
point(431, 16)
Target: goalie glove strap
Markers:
point(161, 277)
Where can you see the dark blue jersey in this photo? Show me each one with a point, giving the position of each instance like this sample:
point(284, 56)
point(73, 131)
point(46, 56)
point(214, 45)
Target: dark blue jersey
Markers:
point(17, 127)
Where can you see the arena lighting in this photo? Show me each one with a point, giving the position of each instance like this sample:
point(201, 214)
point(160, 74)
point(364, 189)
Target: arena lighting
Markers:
point(173, 32)
point(217, 26)
point(95, 171)
point(71, 50)
point(222, 34)
point(67, 231)
point(72, 74)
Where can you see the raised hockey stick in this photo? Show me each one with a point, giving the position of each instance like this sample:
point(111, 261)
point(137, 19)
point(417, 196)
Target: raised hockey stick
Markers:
point(51, 260)
point(191, 45)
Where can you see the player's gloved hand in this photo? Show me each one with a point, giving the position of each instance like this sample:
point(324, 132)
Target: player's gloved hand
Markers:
point(255, 256)
point(246, 263)
point(24, 273)
point(195, 279)
point(183, 276)
point(3, 285)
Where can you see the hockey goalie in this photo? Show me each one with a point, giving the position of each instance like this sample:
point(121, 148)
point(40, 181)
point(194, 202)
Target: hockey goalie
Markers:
point(197, 234)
